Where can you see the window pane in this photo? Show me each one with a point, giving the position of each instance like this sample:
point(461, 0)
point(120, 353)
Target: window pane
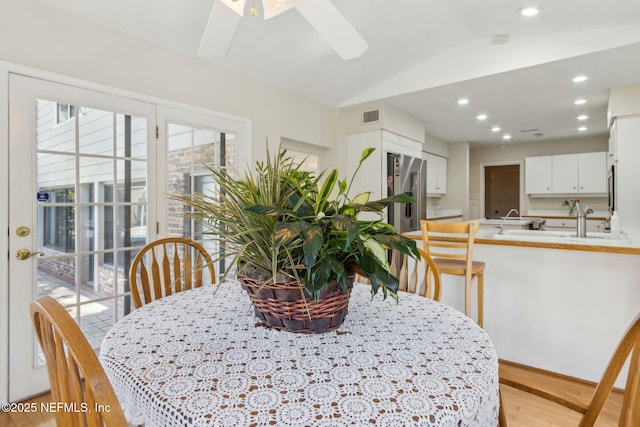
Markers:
point(57, 277)
point(96, 131)
point(56, 170)
point(51, 134)
point(134, 142)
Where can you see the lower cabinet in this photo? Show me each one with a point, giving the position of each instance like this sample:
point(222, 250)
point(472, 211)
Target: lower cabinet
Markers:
point(562, 224)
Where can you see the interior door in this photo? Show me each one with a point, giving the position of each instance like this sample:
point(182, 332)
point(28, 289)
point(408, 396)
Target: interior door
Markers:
point(81, 205)
point(502, 190)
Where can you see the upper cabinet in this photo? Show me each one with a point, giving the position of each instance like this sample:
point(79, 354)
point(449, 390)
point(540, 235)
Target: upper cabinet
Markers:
point(592, 173)
point(436, 174)
point(568, 174)
point(538, 175)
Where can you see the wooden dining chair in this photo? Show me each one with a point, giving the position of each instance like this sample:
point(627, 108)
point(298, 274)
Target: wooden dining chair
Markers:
point(76, 376)
point(628, 349)
point(166, 266)
point(424, 279)
point(450, 244)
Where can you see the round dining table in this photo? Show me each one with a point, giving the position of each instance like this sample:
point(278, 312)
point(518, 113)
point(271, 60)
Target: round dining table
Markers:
point(202, 358)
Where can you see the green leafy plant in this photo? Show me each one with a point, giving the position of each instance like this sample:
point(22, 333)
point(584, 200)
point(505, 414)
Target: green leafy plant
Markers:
point(283, 223)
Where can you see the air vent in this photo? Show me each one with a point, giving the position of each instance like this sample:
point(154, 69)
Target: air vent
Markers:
point(370, 116)
point(500, 39)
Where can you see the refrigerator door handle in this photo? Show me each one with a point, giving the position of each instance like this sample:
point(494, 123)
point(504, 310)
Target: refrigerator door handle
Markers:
point(414, 180)
point(408, 211)
point(415, 193)
point(418, 192)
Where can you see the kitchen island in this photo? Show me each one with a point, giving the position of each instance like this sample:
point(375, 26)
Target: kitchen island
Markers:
point(558, 303)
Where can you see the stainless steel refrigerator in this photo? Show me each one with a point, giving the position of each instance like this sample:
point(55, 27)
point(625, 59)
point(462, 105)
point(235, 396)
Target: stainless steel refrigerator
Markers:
point(406, 174)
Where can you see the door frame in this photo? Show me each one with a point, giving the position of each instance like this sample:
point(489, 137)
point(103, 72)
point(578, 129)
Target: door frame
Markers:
point(4, 241)
point(243, 124)
point(481, 171)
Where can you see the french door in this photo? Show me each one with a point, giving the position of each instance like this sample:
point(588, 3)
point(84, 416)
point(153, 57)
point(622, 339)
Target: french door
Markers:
point(90, 179)
point(81, 204)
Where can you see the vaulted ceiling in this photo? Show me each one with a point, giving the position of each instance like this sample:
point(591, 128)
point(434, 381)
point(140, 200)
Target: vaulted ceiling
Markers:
point(422, 56)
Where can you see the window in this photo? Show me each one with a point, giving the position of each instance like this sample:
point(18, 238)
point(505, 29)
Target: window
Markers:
point(64, 112)
point(189, 149)
point(59, 221)
point(131, 219)
point(309, 162)
point(309, 155)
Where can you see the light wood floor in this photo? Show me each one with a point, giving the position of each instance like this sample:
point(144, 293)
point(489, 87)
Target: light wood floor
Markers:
point(523, 410)
point(526, 410)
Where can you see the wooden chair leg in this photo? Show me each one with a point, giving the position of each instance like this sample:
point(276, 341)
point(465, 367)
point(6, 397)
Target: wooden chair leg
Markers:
point(481, 299)
point(467, 294)
point(502, 411)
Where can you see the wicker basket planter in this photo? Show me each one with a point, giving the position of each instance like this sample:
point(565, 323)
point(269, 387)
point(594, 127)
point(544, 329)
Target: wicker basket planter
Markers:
point(282, 306)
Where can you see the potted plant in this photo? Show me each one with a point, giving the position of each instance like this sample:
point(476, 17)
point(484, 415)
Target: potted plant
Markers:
point(294, 242)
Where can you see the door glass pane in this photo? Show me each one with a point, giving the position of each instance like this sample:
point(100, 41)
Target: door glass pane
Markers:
point(189, 150)
point(92, 205)
point(96, 129)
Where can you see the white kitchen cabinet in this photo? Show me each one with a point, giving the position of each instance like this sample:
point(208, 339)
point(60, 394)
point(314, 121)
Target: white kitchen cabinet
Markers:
point(592, 173)
point(538, 175)
point(560, 224)
point(594, 225)
point(564, 176)
point(570, 223)
point(567, 174)
point(436, 174)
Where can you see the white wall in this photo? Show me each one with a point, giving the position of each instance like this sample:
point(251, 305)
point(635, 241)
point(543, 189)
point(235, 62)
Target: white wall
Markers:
point(623, 101)
point(517, 152)
point(457, 196)
point(391, 119)
point(435, 145)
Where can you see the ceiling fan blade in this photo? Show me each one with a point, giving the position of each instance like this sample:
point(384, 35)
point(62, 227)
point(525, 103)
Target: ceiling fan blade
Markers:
point(333, 27)
point(220, 31)
point(276, 7)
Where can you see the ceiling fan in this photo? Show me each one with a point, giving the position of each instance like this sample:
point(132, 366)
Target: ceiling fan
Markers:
point(321, 14)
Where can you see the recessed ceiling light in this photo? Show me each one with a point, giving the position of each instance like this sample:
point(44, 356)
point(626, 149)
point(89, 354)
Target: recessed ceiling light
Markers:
point(579, 79)
point(529, 11)
point(506, 137)
point(582, 128)
point(580, 101)
point(582, 117)
point(495, 129)
point(463, 101)
point(481, 117)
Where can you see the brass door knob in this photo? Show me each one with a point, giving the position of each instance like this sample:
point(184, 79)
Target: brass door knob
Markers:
point(23, 254)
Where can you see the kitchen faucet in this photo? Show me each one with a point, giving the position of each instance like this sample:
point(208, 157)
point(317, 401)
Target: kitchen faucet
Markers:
point(581, 218)
point(514, 210)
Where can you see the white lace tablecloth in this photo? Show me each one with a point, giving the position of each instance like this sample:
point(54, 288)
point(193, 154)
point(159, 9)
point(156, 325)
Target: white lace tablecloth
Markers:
point(198, 359)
